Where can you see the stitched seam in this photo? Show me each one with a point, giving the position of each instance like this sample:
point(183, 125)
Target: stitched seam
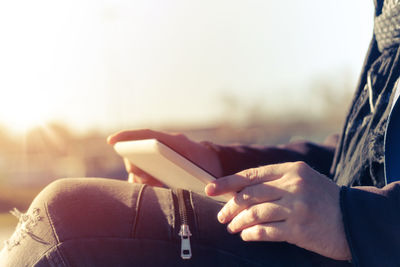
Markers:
point(51, 223)
point(53, 261)
point(61, 256)
point(137, 210)
point(44, 254)
point(54, 233)
point(56, 260)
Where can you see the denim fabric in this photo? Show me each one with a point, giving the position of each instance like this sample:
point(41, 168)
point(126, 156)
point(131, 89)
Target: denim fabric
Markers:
point(102, 222)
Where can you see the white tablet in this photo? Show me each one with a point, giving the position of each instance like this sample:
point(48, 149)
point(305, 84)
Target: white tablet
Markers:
point(166, 165)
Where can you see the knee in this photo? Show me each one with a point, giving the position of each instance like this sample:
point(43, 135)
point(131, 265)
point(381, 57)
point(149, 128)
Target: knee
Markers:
point(87, 207)
point(34, 233)
point(70, 209)
point(55, 191)
point(59, 194)
point(68, 194)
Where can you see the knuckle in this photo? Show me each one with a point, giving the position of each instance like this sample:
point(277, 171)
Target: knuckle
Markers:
point(259, 232)
point(252, 175)
point(253, 215)
point(298, 185)
point(299, 166)
point(295, 182)
point(246, 197)
point(272, 212)
point(242, 199)
point(274, 234)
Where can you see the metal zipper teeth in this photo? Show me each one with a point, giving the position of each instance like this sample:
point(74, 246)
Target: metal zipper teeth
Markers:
point(184, 233)
point(182, 206)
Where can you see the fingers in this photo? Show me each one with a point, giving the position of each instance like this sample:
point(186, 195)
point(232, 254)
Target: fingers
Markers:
point(136, 135)
point(149, 180)
point(136, 175)
point(179, 142)
point(258, 214)
point(237, 182)
point(249, 196)
point(274, 232)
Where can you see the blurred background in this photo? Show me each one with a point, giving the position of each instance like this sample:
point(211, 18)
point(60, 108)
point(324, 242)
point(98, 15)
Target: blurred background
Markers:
point(73, 72)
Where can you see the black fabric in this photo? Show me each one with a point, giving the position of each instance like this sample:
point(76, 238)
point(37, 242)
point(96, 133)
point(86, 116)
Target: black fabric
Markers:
point(237, 158)
point(371, 217)
point(360, 155)
point(359, 158)
point(392, 145)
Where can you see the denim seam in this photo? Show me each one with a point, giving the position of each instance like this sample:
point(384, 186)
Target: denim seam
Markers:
point(137, 210)
point(51, 223)
point(47, 251)
point(60, 258)
point(44, 254)
point(54, 233)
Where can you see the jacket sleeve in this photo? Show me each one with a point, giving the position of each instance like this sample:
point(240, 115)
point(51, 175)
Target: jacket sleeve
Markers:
point(237, 158)
point(371, 218)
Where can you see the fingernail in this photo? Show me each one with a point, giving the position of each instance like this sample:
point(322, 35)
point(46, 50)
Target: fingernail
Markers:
point(109, 139)
point(210, 189)
point(221, 217)
point(131, 178)
point(230, 229)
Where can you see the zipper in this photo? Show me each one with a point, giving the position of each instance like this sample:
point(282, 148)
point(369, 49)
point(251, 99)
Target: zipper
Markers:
point(184, 233)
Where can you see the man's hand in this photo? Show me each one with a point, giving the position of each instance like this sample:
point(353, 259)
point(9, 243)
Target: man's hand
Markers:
point(198, 153)
point(285, 202)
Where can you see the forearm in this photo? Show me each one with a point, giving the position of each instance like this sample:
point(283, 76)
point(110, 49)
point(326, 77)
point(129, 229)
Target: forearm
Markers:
point(237, 158)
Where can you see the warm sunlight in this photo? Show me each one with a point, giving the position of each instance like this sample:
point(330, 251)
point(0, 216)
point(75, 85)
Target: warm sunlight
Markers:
point(239, 79)
point(24, 109)
point(118, 64)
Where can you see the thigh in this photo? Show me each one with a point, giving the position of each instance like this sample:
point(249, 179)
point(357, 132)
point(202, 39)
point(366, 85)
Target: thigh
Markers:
point(103, 222)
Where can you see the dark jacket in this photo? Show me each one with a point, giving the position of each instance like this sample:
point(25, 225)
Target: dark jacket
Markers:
point(371, 212)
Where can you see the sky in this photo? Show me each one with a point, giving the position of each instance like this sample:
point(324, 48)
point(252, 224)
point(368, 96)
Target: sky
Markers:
point(127, 63)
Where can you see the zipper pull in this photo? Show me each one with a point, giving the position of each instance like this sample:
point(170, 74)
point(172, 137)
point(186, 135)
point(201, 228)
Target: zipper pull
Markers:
point(186, 251)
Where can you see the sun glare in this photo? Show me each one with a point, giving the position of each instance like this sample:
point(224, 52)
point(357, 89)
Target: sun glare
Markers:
point(23, 122)
point(22, 110)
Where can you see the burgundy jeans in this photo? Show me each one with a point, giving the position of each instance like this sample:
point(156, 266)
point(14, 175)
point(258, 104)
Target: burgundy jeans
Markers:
point(103, 222)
